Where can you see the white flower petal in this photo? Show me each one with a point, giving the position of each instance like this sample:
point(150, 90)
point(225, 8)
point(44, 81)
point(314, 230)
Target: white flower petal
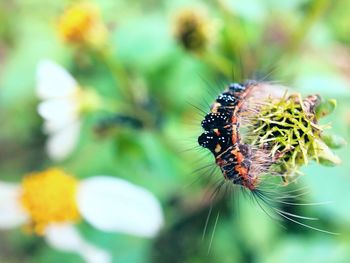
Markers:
point(112, 204)
point(59, 110)
point(11, 212)
point(62, 143)
point(65, 237)
point(53, 81)
point(50, 127)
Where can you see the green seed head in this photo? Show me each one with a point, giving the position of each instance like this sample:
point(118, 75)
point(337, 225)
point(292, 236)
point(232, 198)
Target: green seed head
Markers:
point(289, 128)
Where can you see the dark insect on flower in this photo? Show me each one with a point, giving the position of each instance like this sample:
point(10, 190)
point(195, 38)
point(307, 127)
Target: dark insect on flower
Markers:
point(281, 132)
point(258, 131)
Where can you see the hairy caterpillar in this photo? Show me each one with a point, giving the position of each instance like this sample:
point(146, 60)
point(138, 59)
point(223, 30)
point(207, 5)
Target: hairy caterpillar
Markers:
point(238, 161)
point(247, 158)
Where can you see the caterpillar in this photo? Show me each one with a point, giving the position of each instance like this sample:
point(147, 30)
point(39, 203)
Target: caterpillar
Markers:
point(283, 134)
point(239, 162)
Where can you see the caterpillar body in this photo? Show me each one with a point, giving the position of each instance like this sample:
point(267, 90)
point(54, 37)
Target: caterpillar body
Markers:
point(222, 136)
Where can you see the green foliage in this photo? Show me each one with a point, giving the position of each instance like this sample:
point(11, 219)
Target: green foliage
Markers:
point(144, 73)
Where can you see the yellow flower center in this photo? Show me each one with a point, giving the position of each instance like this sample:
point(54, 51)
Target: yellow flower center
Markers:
point(88, 100)
point(81, 23)
point(49, 197)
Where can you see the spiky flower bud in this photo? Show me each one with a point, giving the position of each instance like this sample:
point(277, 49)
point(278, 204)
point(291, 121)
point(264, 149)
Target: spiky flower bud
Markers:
point(289, 128)
point(192, 29)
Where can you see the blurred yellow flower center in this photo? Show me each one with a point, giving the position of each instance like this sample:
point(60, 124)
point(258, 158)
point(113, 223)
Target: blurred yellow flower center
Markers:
point(49, 197)
point(88, 100)
point(81, 23)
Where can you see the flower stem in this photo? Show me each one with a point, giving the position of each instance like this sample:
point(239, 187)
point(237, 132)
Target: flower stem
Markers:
point(218, 62)
point(118, 73)
point(317, 9)
point(134, 104)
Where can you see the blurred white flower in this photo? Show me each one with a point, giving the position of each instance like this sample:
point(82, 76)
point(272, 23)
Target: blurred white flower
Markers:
point(62, 106)
point(49, 203)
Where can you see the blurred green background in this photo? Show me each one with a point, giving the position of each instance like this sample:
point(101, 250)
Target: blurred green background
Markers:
point(299, 43)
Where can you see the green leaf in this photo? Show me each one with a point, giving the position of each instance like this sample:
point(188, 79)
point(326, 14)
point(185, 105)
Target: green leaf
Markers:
point(325, 108)
point(333, 141)
point(325, 155)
